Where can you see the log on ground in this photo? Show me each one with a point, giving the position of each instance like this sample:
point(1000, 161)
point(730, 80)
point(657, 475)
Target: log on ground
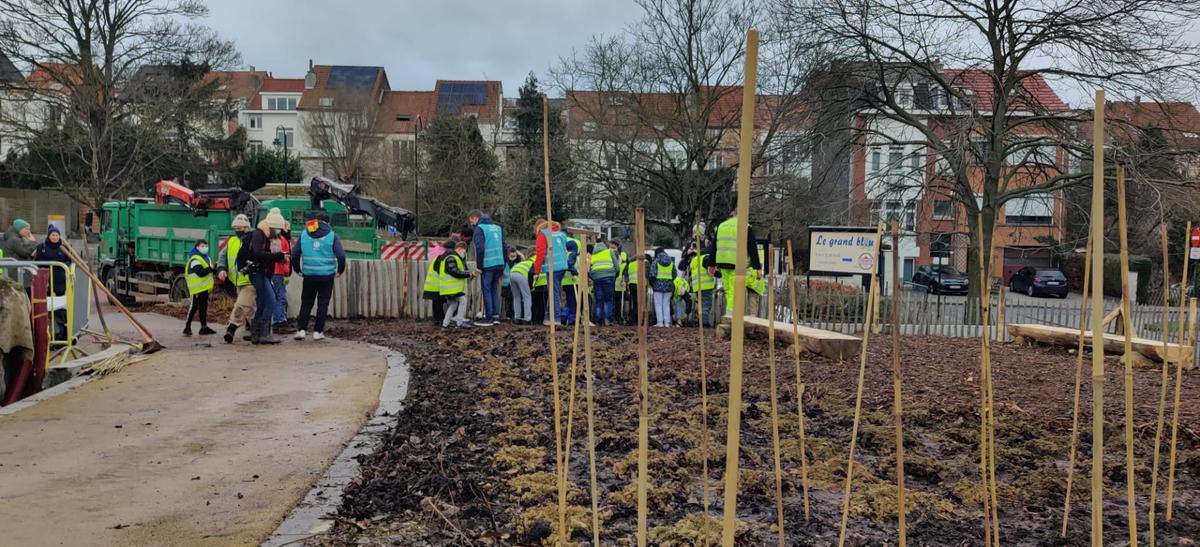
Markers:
point(1113, 343)
point(834, 345)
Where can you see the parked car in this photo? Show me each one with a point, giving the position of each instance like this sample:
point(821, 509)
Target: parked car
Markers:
point(1034, 281)
point(940, 280)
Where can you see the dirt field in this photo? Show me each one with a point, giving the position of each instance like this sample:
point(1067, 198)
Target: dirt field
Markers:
point(470, 460)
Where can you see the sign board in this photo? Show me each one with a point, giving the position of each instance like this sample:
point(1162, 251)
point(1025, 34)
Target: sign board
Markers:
point(842, 250)
point(1194, 253)
point(58, 221)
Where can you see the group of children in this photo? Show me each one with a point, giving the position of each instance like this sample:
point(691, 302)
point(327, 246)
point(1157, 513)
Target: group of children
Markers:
point(678, 291)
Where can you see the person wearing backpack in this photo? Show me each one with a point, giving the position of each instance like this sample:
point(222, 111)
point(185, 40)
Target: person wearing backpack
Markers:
point(662, 282)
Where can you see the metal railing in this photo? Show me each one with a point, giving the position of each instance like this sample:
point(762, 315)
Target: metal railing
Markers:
point(74, 302)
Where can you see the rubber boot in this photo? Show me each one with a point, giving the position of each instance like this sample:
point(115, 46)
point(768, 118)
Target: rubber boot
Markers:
point(230, 331)
point(254, 329)
point(265, 336)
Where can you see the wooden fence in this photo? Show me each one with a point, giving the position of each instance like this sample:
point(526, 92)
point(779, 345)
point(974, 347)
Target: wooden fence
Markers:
point(392, 289)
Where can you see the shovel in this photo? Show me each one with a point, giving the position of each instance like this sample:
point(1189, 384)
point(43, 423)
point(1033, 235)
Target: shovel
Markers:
point(150, 345)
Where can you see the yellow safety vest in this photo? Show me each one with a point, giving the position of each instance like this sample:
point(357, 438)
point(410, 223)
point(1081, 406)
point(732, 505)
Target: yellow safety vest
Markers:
point(756, 283)
point(621, 272)
point(569, 278)
point(681, 288)
point(523, 267)
point(631, 270)
point(453, 286)
point(198, 283)
point(727, 241)
point(433, 277)
point(232, 246)
point(540, 279)
point(603, 261)
point(701, 281)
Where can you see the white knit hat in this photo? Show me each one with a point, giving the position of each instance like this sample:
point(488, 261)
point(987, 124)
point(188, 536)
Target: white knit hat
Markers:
point(275, 219)
point(241, 221)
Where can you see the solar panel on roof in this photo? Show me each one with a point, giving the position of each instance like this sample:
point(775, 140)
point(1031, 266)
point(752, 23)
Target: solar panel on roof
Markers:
point(351, 77)
point(452, 96)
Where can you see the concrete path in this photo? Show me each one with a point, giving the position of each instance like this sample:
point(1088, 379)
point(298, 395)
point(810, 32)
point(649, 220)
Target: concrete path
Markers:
point(202, 444)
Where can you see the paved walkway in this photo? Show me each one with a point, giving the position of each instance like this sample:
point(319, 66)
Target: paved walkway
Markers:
point(202, 444)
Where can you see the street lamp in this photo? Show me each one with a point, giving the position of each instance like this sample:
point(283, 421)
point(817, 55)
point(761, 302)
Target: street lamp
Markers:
point(417, 127)
point(281, 140)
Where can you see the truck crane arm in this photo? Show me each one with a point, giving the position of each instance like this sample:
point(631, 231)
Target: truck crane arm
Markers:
point(322, 188)
point(168, 191)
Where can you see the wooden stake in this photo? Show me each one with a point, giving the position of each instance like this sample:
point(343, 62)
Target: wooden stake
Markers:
point(703, 379)
point(1001, 320)
point(1191, 340)
point(897, 403)
point(774, 402)
point(862, 370)
point(738, 331)
point(591, 423)
point(799, 384)
point(643, 476)
point(1130, 478)
point(553, 341)
point(987, 418)
point(1097, 322)
point(1162, 395)
point(1087, 280)
point(582, 312)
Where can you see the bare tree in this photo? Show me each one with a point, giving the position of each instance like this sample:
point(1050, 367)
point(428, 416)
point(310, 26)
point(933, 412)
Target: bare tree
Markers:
point(964, 81)
point(654, 113)
point(343, 130)
point(82, 55)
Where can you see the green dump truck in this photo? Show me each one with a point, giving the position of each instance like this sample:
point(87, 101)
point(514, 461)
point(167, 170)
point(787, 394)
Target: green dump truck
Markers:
point(144, 242)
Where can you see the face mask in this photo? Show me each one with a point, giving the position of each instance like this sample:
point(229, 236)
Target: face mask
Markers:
point(203, 249)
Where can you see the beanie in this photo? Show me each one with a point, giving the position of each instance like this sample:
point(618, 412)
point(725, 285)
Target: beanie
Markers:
point(20, 224)
point(241, 221)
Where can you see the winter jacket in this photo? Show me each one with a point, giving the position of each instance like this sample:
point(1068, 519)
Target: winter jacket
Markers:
point(452, 269)
point(284, 267)
point(321, 230)
point(661, 285)
point(710, 254)
point(479, 243)
point(540, 248)
point(17, 247)
point(53, 252)
point(259, 252)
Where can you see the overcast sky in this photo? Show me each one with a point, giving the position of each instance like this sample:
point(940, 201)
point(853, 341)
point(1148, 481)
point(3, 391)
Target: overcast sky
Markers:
point(416, 41)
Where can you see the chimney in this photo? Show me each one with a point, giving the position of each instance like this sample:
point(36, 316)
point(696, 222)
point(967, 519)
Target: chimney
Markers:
point(252, 69)
point(310, 65)
point(1137, 99)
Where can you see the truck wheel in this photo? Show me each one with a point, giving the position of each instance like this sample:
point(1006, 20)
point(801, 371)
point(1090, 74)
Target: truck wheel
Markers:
point(109, 277)
point(179, 289)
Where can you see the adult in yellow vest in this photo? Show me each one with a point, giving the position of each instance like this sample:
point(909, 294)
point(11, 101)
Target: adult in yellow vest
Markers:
point(721, 256)
point(703, 285)
point(631, 288)
point(199, 276)
point(605, 266)
point(619, 285)
point(227, 271)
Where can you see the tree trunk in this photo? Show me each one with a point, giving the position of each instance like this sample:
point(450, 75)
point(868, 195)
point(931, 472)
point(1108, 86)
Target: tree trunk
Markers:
point(979, 286)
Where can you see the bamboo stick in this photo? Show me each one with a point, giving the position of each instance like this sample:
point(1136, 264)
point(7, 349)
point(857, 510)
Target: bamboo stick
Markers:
point(582, 312)
point(1097, 237)
point(737, 335)
point(799, 384)
point(774, 403)
point(591, 422)
point(1162, 395)
point(987, 433)
point(1087, 279)
point(862, 369)
point(897, 402)
point(1191, 341)
point(703, 379)
point(643, 476)
point(553, 341)
point(1130, 478)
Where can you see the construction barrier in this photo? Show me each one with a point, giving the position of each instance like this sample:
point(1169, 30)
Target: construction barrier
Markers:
point(404, 250)
point(74, 303)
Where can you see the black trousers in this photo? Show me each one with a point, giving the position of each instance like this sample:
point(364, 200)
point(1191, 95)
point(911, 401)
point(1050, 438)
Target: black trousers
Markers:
point(506, 303)
point(318, 289)
point(439, 309)
point(631, 295)
point(199, 306)
point(539, 305)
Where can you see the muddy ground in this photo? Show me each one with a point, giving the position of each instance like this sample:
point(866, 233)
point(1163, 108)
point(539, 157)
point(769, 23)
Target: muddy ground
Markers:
point(470, 459)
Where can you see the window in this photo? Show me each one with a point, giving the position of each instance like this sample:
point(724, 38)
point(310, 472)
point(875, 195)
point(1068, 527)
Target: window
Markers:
point(895, 164)
point(285, 137)
point(589, 127)
point(325, 102)
point(1034, 209)
point(281, 103)
point(943, 209)
point(1040, 154)
point(404, 117)
point(909, 263)
point(925, 97)
point(616, 100)
point(886, 210)
point(904, 96)
point(715, 133)
point(716, 161)
point(875, 158)
point(941, 245)
point(254, 147)
point(256, 121)
point(981, 149)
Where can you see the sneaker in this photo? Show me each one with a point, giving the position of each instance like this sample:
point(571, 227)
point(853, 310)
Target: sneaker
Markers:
point(318, 336)
point(205, 331)
point(465, 325)
point(300, 335)
point(485, 323)
point(187, 331)
point(546, 323)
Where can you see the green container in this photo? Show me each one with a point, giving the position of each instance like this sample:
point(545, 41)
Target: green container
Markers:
point(357, 233)
point(160, 235)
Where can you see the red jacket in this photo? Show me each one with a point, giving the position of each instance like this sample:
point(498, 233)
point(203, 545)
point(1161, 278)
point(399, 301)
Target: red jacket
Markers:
point(284, 267)
point(539, 256)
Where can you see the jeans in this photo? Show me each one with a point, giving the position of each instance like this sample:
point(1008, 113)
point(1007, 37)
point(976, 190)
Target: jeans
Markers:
point(265, 294)
point(680, 305)
point(280, 289)
point(558, 310)
point(522, 300)
point(490, 284)
point(605, 296)
point(662, 309)
point(318, 289)
point(706, 309)
point(456, 310)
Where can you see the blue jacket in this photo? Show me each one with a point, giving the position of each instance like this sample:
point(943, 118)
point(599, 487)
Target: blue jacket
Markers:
point(322, 230)
point(479, 243)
